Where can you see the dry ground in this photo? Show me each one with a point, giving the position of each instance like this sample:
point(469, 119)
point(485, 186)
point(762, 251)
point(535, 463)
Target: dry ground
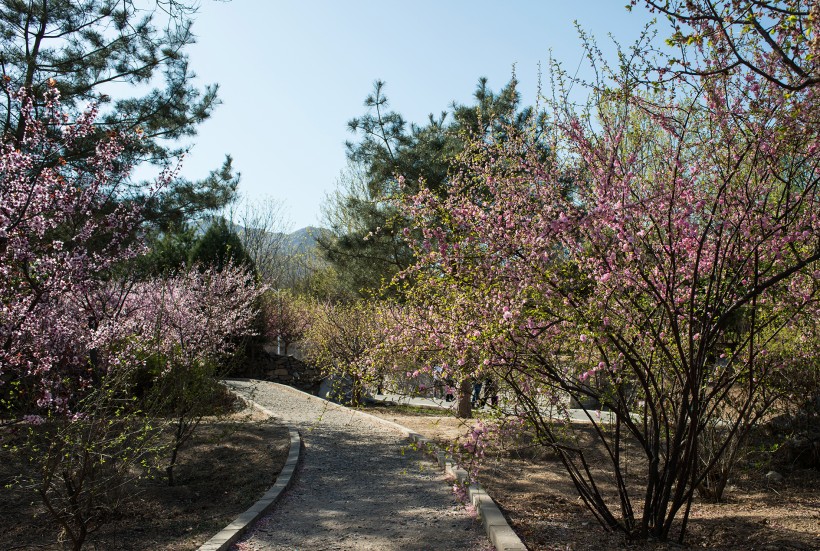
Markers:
point(237, 459)
point(542, 505)
point(226, 467)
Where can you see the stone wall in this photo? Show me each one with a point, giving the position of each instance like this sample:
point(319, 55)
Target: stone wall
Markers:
point(269, 366)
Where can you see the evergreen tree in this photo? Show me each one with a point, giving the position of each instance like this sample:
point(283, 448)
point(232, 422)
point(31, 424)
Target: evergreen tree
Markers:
point(167, 253)
point(364, 242)
point(85, 47)
point(219, 246)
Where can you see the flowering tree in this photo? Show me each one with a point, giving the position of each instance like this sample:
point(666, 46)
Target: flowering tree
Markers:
point(650, 263)
point(62, 373)
point(435, 323)
point(287, 318)
point(184, 328)
point(75, 334)
point(59, 236)
point(339, 340)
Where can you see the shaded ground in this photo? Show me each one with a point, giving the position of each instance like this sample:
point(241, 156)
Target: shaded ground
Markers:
point(359, 486)
point(237, 461)
point(538, 497)
point(226, 467)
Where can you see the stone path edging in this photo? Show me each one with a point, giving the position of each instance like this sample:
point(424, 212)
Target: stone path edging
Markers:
point(501, 535)
point(499, 532)
point(226, 537)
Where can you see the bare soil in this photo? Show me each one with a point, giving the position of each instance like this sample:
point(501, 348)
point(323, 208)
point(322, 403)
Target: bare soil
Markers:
point(543, 507)
point(226, 466)
point(231, 462)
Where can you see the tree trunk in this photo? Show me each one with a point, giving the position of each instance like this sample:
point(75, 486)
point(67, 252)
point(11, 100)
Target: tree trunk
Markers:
point(356, 392)
point(169, 470)
point(465, 408)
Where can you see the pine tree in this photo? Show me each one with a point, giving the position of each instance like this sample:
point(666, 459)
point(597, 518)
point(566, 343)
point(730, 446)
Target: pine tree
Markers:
point(218, 247)
point(87, 49)
point(364, 243)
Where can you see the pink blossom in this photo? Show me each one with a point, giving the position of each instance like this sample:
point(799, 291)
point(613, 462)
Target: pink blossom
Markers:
point(33, 419)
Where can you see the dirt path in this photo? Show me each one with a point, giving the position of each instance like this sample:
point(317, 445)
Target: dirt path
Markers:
point(359, 487)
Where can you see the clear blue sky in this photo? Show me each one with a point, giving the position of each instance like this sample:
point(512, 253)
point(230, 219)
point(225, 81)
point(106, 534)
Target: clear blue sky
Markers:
point(292, 73)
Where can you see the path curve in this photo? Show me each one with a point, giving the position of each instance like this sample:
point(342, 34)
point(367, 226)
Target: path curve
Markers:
point(359, 486)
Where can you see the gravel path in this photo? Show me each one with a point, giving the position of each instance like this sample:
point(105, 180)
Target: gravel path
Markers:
point(359, 487)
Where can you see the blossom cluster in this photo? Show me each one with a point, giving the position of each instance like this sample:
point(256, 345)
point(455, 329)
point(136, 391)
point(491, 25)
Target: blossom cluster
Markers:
point(67, 317)
point(60, 233)
point(196, 316)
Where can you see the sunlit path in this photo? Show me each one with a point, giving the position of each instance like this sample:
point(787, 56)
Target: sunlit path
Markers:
point(359, 486)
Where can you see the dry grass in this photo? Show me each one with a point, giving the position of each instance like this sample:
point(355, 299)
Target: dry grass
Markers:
point(538, 497)
point(228, 465)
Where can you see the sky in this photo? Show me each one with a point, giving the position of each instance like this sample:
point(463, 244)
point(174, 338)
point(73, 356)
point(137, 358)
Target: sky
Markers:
point(293, 73)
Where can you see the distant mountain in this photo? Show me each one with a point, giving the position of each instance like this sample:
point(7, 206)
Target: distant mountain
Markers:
point(302, 240)
point(298, 242)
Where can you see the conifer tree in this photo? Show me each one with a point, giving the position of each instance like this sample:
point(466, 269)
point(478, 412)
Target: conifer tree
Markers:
point(364, 242)
point(88, 49)
point(219, 247)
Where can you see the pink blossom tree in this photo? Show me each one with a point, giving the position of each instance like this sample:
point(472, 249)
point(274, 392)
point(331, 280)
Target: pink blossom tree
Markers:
point(75, 333)
point(650, 263)
point(62, 373)
point(434, 325)
point(185, 329)
point(60, 237)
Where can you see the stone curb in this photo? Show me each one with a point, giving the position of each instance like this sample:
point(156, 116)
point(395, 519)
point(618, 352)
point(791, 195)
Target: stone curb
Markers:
point(501, 535)
point(499, 532)
point(226, 537)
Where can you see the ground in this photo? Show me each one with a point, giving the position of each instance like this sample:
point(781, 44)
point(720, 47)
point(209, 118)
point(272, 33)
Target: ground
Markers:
point(224, 469)
point(238, 458)
point(539, 500)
